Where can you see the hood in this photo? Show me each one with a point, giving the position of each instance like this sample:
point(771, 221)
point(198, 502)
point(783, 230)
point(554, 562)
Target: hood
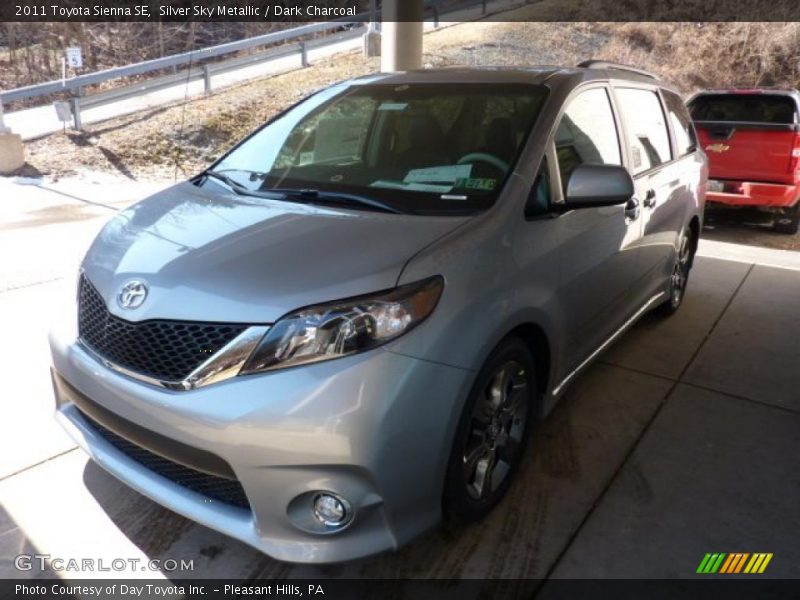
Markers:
point(221, 257)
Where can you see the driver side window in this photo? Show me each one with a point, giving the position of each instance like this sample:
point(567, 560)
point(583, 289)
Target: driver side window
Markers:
point(587, 134)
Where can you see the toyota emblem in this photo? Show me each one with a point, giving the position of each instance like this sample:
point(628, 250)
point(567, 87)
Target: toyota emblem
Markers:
point(133, 294)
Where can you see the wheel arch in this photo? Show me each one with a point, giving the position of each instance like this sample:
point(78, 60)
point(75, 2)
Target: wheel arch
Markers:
point(538, 343)
point(694, 228)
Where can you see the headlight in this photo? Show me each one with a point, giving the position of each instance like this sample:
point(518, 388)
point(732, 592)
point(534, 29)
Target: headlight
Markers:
point(343, 328)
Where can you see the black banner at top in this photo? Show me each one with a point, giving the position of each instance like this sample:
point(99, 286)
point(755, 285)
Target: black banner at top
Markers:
point(182, 10)
point(359, 10)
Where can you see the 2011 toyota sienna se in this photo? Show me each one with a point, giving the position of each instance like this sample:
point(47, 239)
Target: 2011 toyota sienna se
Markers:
point(345, 327)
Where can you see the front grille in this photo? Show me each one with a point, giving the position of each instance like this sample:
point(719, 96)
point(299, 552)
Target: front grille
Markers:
point(161, 349)
point(227, 491)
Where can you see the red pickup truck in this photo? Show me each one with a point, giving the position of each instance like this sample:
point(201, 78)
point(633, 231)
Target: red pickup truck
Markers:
point(752, 139)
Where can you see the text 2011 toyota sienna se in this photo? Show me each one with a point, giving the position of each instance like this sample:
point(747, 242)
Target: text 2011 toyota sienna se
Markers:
point(346, 326)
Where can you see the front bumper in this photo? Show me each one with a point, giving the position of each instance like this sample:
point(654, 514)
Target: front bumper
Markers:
point(375, 428)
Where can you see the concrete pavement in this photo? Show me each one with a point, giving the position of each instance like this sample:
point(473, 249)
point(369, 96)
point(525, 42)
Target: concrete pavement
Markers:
point(681, 440)
point(44, 231)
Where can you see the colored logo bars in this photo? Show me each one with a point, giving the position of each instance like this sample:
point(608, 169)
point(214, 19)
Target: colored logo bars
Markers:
point(734, 563)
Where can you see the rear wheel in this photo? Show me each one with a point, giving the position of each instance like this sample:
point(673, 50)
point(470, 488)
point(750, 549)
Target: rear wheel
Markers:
point(788, 220)
point(680, 275)
point(491, 433)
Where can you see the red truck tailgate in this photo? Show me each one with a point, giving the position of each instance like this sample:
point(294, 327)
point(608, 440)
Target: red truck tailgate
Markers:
point(747, 153)
point(748, 136)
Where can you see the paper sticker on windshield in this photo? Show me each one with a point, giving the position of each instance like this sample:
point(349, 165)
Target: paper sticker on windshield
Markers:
point(476, 183)
point(393, 106)
point(443, 174)
point(413, 187)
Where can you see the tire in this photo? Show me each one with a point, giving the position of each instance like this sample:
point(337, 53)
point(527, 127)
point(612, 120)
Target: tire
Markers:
point(492, 432)
point(788, 220)
point(679, 278)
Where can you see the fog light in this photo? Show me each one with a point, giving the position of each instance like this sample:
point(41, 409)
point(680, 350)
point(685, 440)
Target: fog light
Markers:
point(331, 510)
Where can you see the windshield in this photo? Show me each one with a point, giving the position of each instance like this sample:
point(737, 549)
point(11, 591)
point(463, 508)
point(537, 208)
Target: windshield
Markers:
point(744, 108)
point(420, 148)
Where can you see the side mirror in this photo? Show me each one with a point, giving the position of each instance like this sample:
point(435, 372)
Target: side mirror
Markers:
point(598, 185)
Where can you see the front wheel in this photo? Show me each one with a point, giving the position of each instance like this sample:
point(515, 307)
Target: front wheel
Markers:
point(680, 275)
point(492, 431)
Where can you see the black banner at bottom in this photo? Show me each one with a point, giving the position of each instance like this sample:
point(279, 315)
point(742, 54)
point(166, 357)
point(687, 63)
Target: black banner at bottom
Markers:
point(703, 588)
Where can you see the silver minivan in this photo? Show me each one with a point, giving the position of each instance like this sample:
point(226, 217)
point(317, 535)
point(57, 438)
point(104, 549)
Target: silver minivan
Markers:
point(345, 327)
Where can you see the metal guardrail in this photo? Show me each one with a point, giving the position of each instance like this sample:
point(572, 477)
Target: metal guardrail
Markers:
point(76, 85)
point(204, 73)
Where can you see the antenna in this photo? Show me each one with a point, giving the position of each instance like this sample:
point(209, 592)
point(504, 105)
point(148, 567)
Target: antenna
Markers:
point(183, 108)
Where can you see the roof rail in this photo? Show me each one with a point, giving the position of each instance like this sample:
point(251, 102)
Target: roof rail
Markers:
point(603, 64)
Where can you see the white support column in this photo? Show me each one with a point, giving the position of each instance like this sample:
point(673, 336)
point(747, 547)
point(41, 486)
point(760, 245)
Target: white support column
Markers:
point(401, 35)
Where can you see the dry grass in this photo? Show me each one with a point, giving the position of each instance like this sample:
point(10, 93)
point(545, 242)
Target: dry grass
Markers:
point(183, 138)
point(704, 55)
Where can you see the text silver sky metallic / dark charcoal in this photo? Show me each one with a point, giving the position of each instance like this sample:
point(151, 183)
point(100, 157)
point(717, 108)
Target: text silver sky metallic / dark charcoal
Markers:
point(318, 10)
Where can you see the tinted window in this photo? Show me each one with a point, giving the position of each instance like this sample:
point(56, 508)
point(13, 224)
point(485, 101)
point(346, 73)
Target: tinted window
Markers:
point(685, 140)
point(418, 147)
point(646, 128)
point(747, 108)
point(587, 134)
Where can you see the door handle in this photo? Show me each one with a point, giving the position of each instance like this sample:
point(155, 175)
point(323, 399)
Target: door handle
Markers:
point(650, 199)
point(632, 209)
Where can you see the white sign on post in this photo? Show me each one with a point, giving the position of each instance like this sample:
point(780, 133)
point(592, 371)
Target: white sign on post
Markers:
point(75, 57)
point(63, 111)
point(3, 128)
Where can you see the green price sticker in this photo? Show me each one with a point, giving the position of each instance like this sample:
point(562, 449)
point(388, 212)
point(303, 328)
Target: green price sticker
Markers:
point(476, 183)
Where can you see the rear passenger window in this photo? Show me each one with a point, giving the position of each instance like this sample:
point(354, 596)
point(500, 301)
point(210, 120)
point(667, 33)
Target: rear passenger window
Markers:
point(745, 108)
point(646, 128)
point(587, 134)
point(685, 140)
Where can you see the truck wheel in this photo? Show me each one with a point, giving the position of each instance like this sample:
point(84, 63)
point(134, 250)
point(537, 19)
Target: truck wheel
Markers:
point(788, 220)
point(680, 276)
point(491, 433)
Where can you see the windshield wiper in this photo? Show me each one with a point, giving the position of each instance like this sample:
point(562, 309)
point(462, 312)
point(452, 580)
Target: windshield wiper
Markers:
point(318, 196)
point(231, 183)
point(310, 196)
point(252, 175)
point(243, 190)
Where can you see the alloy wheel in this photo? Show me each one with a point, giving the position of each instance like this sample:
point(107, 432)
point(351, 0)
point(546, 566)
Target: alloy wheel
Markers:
point(496, 430)
point(680, 272)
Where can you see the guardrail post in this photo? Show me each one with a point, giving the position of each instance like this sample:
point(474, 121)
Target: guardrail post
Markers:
point(484, 7)
point(303, 54)
point(3, 128)
point(435, 17)
point(207, 79)
point(75, 104)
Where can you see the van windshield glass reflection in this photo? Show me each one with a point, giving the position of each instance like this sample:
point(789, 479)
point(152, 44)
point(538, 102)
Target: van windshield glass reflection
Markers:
point(420, 148)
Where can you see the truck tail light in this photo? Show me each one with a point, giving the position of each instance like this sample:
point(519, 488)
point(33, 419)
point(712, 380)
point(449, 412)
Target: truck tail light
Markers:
point(794, 164)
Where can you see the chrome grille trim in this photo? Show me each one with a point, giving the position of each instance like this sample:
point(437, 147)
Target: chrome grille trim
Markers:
point(223, 364)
